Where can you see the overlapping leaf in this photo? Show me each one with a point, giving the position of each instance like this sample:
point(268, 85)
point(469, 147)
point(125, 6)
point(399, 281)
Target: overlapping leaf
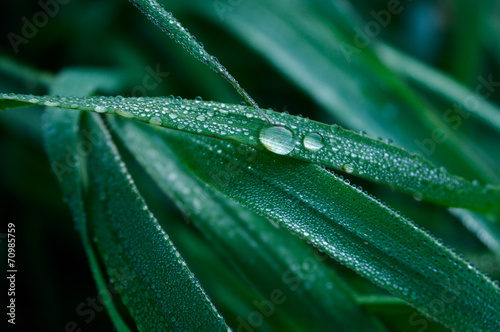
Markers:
point(151, 276)
point(269, 258)
point(354, 228)
point(63, 144)
point(323, 49)
point(68, 146)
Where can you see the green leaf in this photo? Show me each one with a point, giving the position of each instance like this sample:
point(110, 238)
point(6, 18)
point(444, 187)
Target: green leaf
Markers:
point(24, 72)
point(486, 231)
point(327, 59)
point(471, 101)
point(351, 226)
point(153, 279)
point(63, 143)
point(294, 136)
point(251, 243)
point(171, 26)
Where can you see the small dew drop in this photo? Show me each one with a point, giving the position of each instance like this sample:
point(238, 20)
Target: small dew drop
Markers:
point(125, 114)
point(172, 116)
point(51, 103)
point(313, 142)
point(100, 109)
point(277, 139)
point(200, 117)
point(349, 168)
point(155, 120)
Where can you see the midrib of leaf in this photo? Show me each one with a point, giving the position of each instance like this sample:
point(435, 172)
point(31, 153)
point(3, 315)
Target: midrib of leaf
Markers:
point(352, 227)
point(342, 149)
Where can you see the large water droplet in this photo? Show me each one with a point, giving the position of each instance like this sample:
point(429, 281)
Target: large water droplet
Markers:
point(313, 142)
point(277, 139)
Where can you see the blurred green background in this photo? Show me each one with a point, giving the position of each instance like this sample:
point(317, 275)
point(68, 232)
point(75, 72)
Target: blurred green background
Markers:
point(458, 37)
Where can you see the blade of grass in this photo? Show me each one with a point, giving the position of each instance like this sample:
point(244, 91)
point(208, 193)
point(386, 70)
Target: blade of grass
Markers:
point(354, 228)
point(24, 72)
point(61, 129)
point(297, 137)
point(255, 247)
point(171, 26)
point(441, 84)
point(159, 290)
point(484, 229)
point(343, 74)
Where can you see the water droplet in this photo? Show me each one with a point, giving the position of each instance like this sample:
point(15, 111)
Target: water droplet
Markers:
point(172, 116)
point(155, 120)
point(125, 114)
point(100, 109)
point(277, 139)
point(200, 117)
point(349, 168)
point(51, 103)
point(313, 142)
point(198, 99)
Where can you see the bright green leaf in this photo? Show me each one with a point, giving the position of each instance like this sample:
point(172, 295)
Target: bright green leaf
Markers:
point(294, 136)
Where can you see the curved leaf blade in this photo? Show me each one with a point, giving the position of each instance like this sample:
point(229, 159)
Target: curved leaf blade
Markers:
point(354, 228)
point(251, 243)
point(158, 288)
point(61, 129)
point(297, 137)
point(340, 71)
point(172, 27)
point(438, 82)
